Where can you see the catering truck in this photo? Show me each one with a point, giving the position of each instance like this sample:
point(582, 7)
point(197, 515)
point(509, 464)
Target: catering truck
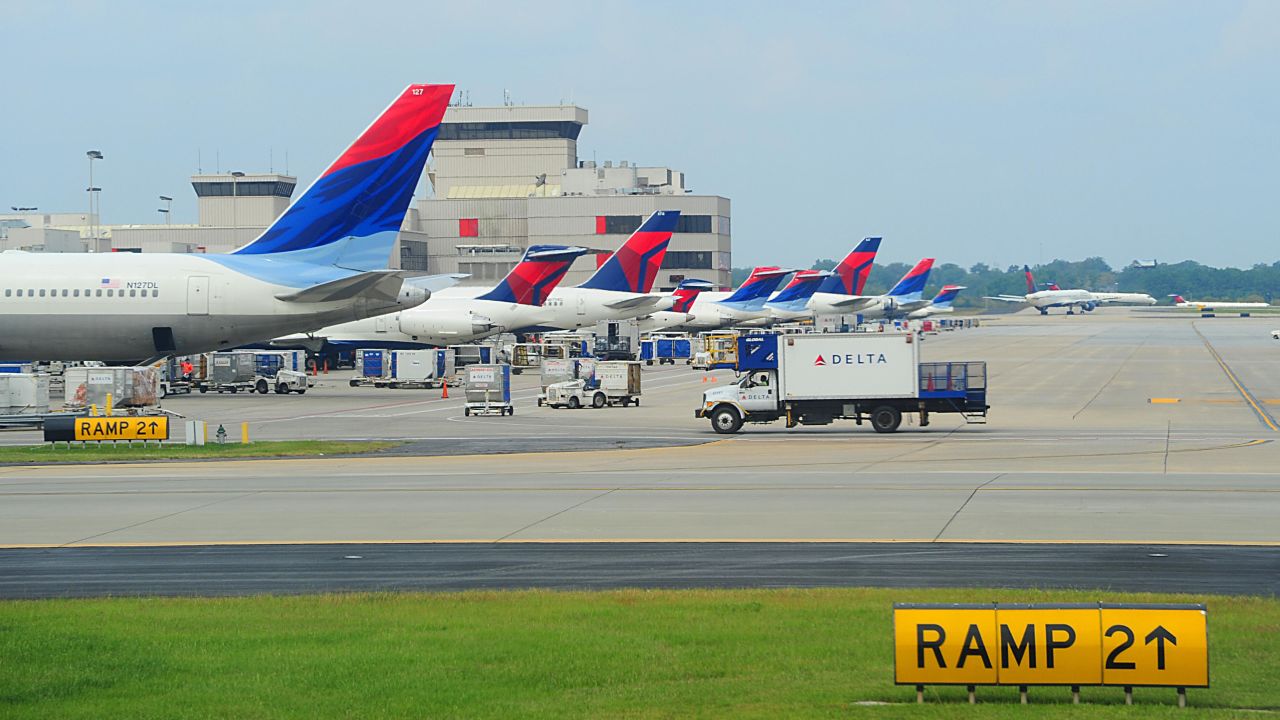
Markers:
point(817, 378)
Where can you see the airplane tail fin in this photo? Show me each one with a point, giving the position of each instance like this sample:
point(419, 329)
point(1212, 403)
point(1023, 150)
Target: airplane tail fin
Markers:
point(351, 214)
point(1178, 299)
point(686, 292)
point(946, 296)
point(536, 275)
point(911, 286)
point(634, 268)
point(851, 274)
point(800, 289)
point(759, 285)
point(1031, 281)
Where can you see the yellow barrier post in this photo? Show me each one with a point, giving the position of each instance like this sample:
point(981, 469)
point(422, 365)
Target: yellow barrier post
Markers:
point(244, 433)
point(108, 408)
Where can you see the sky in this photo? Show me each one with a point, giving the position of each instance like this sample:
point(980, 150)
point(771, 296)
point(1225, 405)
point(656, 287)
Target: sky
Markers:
point(995, 132)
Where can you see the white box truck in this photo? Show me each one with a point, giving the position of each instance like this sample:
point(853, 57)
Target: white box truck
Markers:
point(817, 378)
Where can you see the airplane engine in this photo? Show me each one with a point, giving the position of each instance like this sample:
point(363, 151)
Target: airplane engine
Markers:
point(445, 324)
point(1089, 306)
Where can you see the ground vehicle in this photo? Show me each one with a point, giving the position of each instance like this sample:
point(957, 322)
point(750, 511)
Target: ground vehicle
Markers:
point(253, 370)
point(419, 368)
point(666, 349)
point(488, 390)
point(559, 370)
point(616, 382)
point(815, 379)
point(1275, 334)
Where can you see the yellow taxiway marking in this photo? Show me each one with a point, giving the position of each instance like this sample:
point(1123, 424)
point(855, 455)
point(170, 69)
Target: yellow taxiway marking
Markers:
point(1262, 414)
point(1164, 401)
point(636, 541)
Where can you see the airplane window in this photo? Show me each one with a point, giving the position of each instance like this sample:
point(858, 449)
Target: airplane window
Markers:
point(64, 293)
point(155, 293)
point(99, 292)
point(111, 293)
point(75, 293)
point(41, 292)
point(8, 293)
point(133, 293)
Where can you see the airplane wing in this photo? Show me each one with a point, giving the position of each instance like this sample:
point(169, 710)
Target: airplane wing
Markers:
point(378, 283)
point(633, 302)
point(434, 283)
point(1005, 298)
point(853, 302)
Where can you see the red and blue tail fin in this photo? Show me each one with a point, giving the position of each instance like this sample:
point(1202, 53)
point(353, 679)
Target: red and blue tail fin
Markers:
point(1179, 300)
point(756, 289)
point(795, 296)
point(911, 286)
point(851, 274)
point(946, 296)
point(687, 291)
point(1031, 280)
point(536, 275)
point(634, 268)
point(351, 214)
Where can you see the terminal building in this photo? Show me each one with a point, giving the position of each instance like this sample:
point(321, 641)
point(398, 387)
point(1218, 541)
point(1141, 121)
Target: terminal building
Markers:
point(502, 178)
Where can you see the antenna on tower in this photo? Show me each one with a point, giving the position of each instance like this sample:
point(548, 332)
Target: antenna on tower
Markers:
point(271, 160)
point(506, 97)
point(199, 163)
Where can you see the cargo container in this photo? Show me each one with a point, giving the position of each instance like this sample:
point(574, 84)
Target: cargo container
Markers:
point(420, 368)
point(488, 390)
point(815, 379)
point(666, 350)
point(373, 366)
point(129, 387)
point(24, 393)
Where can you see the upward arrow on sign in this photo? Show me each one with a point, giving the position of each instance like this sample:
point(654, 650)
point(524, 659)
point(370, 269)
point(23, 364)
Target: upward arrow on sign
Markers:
point(1160, 635)
point(153, 426)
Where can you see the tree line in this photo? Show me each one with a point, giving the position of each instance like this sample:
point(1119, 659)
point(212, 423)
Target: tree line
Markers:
point(1190, 279)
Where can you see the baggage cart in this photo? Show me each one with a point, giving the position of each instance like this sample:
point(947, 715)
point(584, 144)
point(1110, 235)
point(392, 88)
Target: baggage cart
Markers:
point(488, 390)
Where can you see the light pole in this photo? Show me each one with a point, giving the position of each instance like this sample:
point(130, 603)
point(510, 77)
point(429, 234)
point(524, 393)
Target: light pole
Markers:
point(93, 220)
point(235, 221)
point(168, 206)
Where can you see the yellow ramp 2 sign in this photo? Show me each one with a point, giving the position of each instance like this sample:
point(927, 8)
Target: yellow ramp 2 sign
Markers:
point(1082, 644)
point(88, 429)
point(1155, 645)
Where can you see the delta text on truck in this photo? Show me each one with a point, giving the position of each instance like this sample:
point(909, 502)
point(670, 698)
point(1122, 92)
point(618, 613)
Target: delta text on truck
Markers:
point(817, 378)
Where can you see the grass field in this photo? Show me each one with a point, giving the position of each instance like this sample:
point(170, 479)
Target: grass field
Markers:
point(40, 454)
point(749, 653)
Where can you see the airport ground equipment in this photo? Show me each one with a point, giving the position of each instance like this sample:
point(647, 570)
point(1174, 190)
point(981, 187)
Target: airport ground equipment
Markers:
point(464, 355)
point(559, 370)
point(616, 382)
point(617, 339)
point(420, 368)
point(665, 350)
point(488, 390)
point(129, 387)
point(815, 379)
point(373, 366)
point(526, 356)
point(721, 349)
point(24, 393)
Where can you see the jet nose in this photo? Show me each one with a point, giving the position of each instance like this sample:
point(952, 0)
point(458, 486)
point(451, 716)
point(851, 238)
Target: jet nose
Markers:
point(412, 296)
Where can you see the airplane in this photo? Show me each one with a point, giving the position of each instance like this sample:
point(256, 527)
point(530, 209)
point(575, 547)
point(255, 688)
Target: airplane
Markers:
point(620, 288)
point(941, 303)
point(322, 262)
point(904, 297)
point(746, 304)
point(1179, 301)
point(454, 319)
point(1042, 300)
point(682, 301)
point(1086, 301)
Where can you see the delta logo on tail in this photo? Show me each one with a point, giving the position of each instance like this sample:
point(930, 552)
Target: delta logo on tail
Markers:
point(947, 294)
point(686, 292)
point(634, 267)
point(536, 275)
point(851, 274)
point(1031, 281)
point(912, 284)
point(365, 192)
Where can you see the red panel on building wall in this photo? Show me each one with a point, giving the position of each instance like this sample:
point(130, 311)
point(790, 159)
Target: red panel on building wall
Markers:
point(600, 224)
point(602, 258)
point(468, 227)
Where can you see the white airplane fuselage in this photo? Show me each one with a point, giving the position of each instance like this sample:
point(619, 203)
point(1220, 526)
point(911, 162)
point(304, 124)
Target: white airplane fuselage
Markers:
point(122, 306)
point(570, 308)
point(871, 308)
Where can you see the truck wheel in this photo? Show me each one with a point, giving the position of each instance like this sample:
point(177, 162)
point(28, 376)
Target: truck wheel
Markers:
point(261, 387)
point(886, 419)
point(466, 412)
point(282, 389)
point(573, 403)
point(203, 389)
point(354, 383)
point(302, 391)
point(726, 420)
point(234, 390)
point(598, 400)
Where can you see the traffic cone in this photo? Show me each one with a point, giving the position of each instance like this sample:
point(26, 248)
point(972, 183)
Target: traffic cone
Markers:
point(704, 378)
point(444, 389)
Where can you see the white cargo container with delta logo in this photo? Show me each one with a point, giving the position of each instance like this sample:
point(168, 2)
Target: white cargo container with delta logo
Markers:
point(848, 366)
